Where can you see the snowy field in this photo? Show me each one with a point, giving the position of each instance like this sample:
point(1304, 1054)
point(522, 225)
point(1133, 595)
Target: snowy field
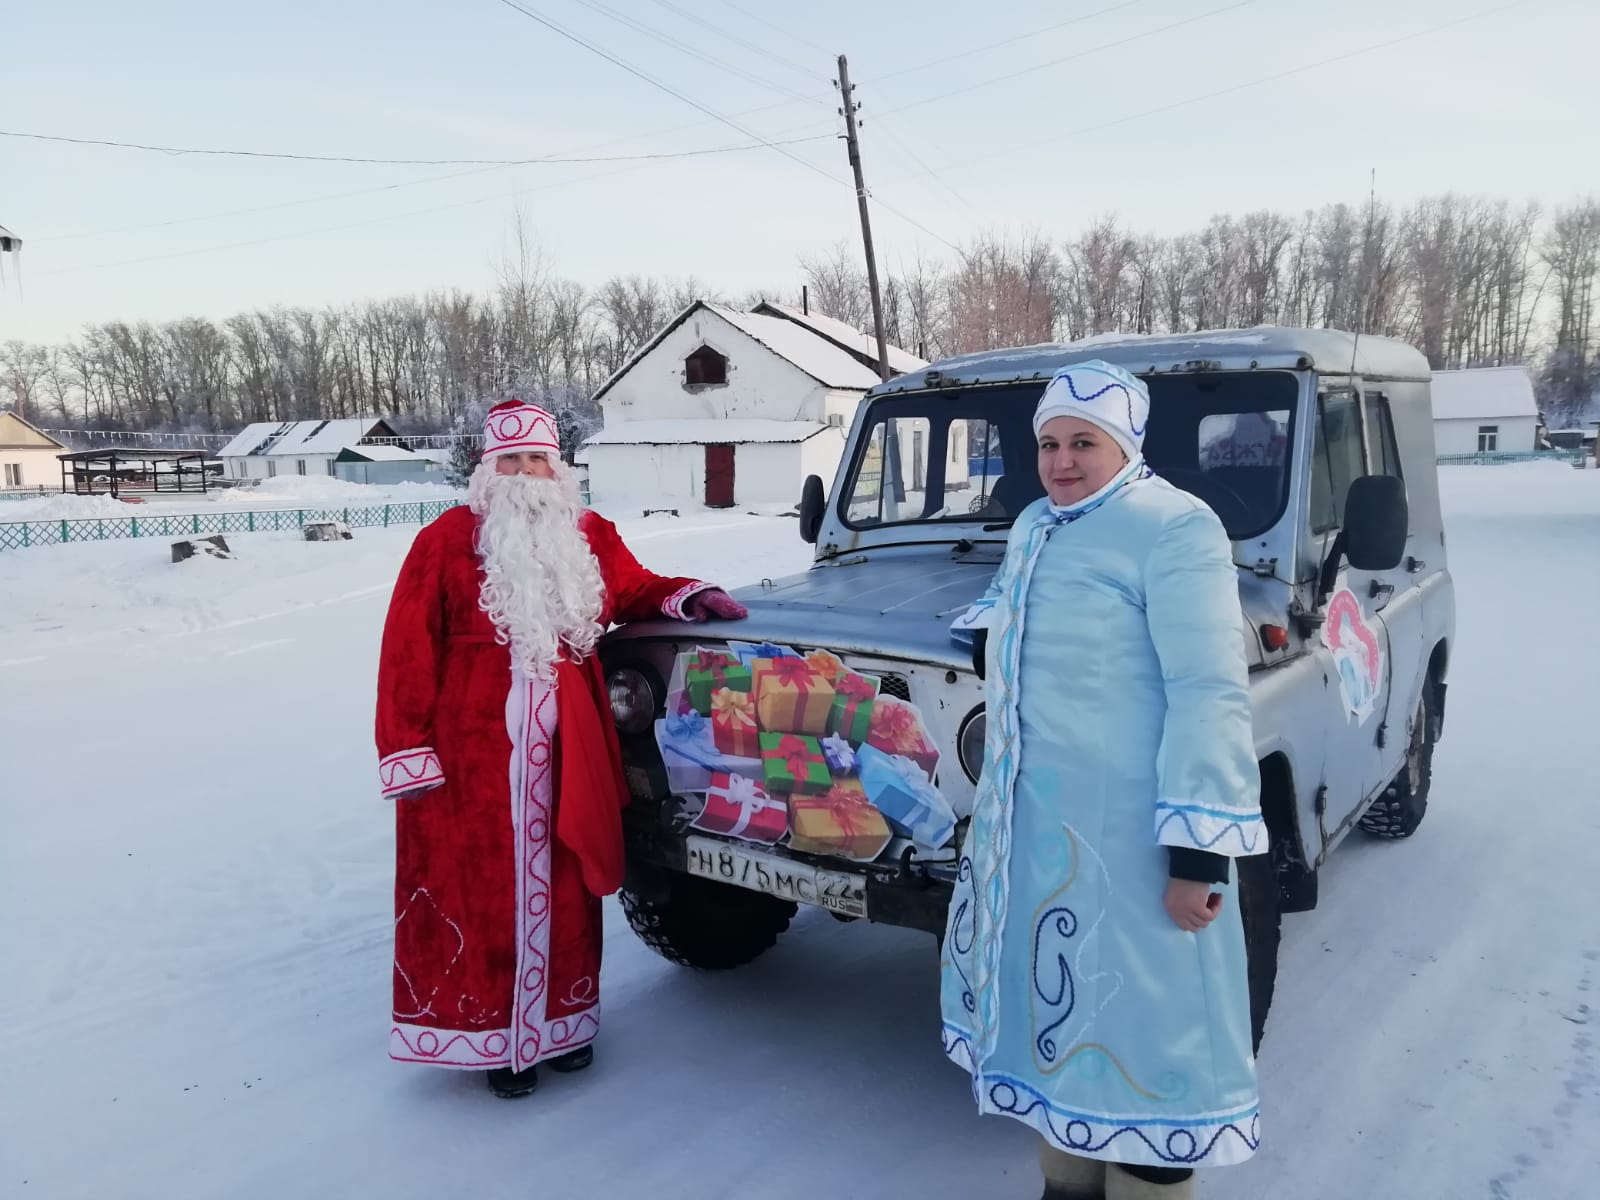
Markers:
point(195, 873)
point(286, 491)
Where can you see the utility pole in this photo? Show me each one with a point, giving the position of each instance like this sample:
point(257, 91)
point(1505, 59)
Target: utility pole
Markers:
point(847, 94)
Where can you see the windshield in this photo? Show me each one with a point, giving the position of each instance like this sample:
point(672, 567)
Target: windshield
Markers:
point(969, 455)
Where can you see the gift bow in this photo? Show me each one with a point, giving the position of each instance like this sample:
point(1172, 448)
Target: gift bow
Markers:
point(794, 671)
point(824, 663)
point(796, 755)
point(713, 663)
point(895, 723)
point(735, 708)
point(748, 796)
point(845, 809)
point(687, 726)
point(839, 748)
point(907, 772)
point(854, 687)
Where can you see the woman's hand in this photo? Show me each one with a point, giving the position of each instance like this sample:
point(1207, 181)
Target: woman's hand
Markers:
point(1192, 906)
point(716, 603)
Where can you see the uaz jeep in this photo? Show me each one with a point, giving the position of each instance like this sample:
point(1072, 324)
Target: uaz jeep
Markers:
point(1316, 450)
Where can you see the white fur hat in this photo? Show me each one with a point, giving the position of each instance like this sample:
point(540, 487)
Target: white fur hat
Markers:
point(1103, 395)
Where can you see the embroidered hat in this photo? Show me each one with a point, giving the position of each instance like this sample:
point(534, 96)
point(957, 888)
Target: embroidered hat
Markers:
point(1103, 395)
point(515, 426)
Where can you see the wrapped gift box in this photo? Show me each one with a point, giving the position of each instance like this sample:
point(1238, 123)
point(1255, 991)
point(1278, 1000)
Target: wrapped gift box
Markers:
point(691, 757)
point(897, 728)
point(792, 763)
point(898, 788)
point(708, 670)
point(839, 755)
point(740, 808)
point(825, 663)
point(855, 697)
point(733, 723)
point(791, 697)
point(748, 652)
point(839, 824)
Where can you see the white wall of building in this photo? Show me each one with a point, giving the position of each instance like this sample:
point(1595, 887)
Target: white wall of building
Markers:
point(653, 476)
point(760, 384)
point(820, 456)
point(1514, 435)
point(256, 466)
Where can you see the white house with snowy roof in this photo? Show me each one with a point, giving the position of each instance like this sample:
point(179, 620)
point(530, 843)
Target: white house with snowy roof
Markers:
point(726, 407)
point(267, 449)
point(1484, 410)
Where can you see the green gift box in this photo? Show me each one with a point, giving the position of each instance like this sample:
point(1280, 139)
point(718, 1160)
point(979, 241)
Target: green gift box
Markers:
point(707, 670)
point(792, 764)
point(854, 698)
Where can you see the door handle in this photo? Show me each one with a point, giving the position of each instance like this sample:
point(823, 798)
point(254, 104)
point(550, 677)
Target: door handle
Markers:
point(1376, 589)
point(1414, 564)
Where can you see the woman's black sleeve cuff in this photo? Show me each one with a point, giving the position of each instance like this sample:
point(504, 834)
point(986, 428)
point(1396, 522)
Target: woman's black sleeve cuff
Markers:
point(1197, 866)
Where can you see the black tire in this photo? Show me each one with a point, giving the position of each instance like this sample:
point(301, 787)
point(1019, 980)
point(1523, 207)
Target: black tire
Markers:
point(697, 923)
point(1399, 810)
point(1263, 924)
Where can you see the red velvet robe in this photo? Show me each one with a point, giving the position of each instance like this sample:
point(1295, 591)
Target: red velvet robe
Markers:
point(508, 795)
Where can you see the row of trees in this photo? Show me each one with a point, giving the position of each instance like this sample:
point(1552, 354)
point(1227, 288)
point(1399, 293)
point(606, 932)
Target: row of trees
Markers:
point(1469, 281)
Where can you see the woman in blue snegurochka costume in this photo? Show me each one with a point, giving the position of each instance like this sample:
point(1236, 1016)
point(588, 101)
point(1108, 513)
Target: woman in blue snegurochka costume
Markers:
point(1093, 978)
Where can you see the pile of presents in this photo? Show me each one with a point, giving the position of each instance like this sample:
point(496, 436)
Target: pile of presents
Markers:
point(795, 748)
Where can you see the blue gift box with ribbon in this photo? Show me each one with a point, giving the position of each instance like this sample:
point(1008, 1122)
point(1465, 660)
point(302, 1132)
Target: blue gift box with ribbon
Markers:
point(901, 791)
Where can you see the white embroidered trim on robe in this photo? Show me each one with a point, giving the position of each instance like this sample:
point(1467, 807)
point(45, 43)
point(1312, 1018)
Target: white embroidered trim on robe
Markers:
point(1199, 827)
point(409, 771)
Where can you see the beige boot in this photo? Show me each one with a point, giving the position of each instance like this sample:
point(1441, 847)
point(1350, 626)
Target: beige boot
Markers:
point(1068, 1177)
point(1122, 1186)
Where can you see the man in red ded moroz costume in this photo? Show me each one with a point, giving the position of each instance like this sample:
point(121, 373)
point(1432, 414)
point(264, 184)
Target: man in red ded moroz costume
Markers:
point(496, 742)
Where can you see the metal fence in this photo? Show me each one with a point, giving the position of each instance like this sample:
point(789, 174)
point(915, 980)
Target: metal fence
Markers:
point(18, 535)
point(1575, 457)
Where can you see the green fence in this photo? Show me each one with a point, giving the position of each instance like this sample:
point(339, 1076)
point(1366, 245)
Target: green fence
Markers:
point(1575, 457)
point(18, 535)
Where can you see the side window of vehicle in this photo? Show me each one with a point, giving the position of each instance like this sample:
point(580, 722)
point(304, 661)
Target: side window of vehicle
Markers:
point(1380, 429)
point(1337, 458)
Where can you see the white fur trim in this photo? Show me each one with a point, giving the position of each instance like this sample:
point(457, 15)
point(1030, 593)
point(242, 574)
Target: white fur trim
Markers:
point(672, 606)
point(407, 771)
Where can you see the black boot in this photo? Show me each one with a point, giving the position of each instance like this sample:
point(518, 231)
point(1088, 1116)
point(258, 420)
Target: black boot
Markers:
point(575, 1061)
point(509, 1084)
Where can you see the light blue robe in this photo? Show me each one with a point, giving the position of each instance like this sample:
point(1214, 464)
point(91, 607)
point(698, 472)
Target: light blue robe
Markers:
point(1119, 725)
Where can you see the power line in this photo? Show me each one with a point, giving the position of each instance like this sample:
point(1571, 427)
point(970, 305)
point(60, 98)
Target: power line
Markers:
point(1238, 87)
point(760, 143)
point(1056, 62)
point(666, 39)
point(1010, 41)
point(753, 47)
point(656, 83)
point(745, 12)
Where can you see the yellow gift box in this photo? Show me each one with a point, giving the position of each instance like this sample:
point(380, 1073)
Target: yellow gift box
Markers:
point(840, 824)
point(791, 696)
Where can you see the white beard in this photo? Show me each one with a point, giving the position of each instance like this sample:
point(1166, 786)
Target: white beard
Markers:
point(541, 582)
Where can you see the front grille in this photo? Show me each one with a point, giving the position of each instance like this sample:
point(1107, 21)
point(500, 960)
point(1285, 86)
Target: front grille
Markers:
point(895, 685)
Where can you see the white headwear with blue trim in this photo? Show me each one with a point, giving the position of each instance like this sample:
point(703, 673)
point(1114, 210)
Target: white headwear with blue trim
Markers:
point(1102, 394)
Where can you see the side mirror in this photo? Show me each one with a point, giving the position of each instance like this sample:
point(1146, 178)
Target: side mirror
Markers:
point(1376, 521)
point(813, 503)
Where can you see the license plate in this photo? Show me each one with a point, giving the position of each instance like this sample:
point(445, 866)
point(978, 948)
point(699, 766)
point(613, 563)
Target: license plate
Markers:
point(838, 891)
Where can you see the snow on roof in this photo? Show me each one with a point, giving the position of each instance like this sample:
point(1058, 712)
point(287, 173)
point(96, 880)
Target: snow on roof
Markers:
point(380, 453)
point(805, 348)
point(848, 336)
point(707, 430)
point(1482, 392)
point(298, 437)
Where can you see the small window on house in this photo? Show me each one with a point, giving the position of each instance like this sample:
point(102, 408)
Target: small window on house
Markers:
point(13, 474)
point(300, 466)
point(272, 469)
point(1488, 439)
point(705, 367)
point(836, 420)
point(330, 466)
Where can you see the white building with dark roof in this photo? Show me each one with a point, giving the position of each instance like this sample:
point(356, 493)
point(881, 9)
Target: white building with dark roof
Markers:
point(267, 449)
point(726, 407)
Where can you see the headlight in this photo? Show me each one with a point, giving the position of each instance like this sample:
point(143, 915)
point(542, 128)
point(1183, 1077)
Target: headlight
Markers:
point(969, 743)
point(633, 700)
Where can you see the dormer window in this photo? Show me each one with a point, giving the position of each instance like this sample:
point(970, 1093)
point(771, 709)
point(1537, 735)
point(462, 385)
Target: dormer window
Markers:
point(705, 367)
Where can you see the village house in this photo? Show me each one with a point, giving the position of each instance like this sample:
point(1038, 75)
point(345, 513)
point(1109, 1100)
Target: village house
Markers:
point(28, 456)
point(1484, 410)
point(266, 449)
point(727, 407)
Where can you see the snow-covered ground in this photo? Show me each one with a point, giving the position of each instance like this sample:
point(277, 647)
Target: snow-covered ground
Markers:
point(195, 876)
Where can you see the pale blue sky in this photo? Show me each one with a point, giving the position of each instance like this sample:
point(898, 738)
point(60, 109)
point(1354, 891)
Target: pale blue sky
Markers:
point(1502, 106)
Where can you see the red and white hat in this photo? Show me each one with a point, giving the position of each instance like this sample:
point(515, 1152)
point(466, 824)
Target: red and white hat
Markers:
point(515, 426)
